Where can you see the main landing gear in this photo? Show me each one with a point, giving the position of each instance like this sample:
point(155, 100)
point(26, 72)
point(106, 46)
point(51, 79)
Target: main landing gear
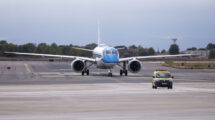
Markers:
point(124, 70)
point(85, 71)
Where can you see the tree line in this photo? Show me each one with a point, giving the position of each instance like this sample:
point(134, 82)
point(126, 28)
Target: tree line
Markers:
point(129, 51)
point(69, 50)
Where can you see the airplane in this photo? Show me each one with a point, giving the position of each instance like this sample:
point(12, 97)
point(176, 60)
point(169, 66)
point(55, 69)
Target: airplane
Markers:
point(104, 57)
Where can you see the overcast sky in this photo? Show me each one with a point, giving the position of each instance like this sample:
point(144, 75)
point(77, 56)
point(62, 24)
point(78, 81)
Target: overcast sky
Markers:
point(150, 23)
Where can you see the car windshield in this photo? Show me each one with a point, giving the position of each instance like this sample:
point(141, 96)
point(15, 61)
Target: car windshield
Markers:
point(163, 75)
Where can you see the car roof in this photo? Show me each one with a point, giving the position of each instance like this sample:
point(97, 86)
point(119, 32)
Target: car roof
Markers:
point(161, 71)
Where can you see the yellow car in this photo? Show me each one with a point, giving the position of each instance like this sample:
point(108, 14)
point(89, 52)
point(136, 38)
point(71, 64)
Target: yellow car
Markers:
point(162, 78)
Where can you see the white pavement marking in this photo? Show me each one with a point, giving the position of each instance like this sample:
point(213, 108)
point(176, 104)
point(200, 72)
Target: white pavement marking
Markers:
point(58, 74)
point(27, 68)
point(53, 76)
point(101, 89)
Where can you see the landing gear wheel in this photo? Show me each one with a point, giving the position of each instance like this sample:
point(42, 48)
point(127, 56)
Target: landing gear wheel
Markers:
point(110, 74)
point(126, 72)
point(82, 73)
point(87, 71)
point(121, 72)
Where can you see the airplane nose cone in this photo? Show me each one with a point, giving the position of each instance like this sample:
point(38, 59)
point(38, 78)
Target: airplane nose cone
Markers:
point(110, 59)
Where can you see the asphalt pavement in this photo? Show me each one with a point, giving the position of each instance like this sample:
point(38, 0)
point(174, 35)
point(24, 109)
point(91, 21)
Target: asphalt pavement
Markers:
point(42, 90)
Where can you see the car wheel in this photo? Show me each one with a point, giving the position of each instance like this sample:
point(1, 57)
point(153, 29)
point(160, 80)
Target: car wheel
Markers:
point(170, 87)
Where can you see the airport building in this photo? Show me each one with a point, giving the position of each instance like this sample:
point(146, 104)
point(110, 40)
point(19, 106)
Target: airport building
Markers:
point(202, 53)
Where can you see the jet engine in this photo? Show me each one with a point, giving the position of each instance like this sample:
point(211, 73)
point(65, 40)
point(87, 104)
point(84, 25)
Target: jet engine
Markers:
point(134, 66)
point(78, 65)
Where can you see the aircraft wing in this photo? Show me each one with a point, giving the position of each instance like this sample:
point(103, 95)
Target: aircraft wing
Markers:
point(154, 56)
point(84, 49)
point(51, 55)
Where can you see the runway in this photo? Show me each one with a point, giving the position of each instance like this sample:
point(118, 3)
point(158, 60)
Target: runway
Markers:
point(51, 91)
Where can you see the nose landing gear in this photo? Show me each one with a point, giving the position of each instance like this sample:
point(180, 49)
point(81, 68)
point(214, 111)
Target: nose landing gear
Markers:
point(110, 73)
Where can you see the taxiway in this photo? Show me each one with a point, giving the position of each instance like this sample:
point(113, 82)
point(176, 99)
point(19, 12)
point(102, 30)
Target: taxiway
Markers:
point(51, 91)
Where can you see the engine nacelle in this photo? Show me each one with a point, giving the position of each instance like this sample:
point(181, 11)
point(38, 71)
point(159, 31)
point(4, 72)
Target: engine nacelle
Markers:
point(78, 65)
point(134, 66)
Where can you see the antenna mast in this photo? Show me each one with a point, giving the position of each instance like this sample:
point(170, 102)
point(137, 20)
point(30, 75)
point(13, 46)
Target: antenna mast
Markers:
point(174, 40)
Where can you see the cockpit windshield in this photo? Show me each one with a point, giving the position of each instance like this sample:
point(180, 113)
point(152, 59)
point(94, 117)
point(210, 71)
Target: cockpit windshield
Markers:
point(114, 52)
point(110, 52)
